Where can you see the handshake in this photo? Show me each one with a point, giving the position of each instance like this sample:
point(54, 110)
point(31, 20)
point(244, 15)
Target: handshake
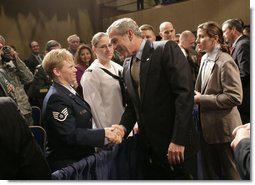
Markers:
point(115, 134)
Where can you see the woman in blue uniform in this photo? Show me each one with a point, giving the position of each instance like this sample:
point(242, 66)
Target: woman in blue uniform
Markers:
point(67, 116)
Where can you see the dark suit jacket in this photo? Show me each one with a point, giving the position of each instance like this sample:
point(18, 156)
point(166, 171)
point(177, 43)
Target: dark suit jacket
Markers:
point(242, 157)
point(20, 156)
point(67, 119)
point(164, 113)
point(39, 87)
point(241, 55)
point(32, 62)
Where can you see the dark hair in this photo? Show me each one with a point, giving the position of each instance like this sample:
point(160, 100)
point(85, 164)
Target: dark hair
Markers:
point(234, 23)
point(30, 43)
point(247, 29)
point(78, 52)
point(240, 21)
point(212, 29)
point(50, 44)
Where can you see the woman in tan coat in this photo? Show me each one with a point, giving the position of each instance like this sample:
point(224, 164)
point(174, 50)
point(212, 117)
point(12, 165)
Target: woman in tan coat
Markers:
point(218, 92)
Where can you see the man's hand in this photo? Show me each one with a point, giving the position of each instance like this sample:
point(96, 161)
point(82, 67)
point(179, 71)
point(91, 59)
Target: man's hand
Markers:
point(119, 130)
point(240, 132)
point(175, 154)
point(197, 97)
point(10, 88)
point(112, 136)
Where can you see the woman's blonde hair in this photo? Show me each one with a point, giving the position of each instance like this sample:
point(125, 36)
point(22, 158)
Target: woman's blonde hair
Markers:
point(97, 37)
point(55, 59)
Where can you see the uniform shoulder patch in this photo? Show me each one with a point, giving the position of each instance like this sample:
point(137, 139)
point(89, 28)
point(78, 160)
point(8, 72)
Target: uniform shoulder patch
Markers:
point(60, 116)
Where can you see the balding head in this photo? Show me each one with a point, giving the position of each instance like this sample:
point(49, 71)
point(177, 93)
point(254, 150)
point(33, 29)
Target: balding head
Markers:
point(167, 31)
point(187, 40)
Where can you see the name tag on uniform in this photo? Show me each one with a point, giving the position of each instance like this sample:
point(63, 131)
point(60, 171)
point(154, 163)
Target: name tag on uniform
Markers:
point(83, 111)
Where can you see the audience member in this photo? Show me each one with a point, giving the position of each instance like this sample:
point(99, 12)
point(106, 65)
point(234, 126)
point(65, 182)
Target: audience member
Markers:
point(83, 59)
point(177, 38)
point(73, 42)
point(147, 32)
point(241, 146)
point(218, 93)
point(42, 82)
point(67, 116)
point(20, 156)
point(157, 2)
point(140, 4)
point(35, 57)
point(160, 88)
point(19, 75)
point(187, 44)
point(101, 85)
point(240, 52)
point(167, 31)
point(246, 31)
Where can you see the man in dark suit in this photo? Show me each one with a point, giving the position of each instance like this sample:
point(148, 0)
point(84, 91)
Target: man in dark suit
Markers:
point(240, 52)
point(42, 82)
point(35, 58)
point(241, 146)
point(160, 88)
point(20, 156)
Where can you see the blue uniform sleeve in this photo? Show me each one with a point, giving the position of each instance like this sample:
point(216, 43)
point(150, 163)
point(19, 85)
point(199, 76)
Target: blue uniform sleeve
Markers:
point(71, 124)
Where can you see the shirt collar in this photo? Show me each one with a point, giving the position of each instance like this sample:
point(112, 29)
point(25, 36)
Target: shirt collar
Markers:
point(70, 89)
point(212, 55)
point(233, 45)
point(140, 50)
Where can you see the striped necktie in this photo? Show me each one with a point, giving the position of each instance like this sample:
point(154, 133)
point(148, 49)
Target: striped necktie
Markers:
point(135, 73)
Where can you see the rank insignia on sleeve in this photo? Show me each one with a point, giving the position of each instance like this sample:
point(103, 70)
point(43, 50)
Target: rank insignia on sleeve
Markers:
point(60, 116)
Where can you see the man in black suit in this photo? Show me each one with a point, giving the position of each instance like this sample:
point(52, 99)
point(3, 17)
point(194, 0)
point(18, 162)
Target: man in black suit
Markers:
point(159, 84)
point(20, 156)
point(240, 52)
point(241, 147)
point(35, 58)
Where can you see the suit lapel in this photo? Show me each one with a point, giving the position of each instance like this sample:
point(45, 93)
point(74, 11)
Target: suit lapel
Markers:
point(145, 66)
point(211, 66)
point(129, 81)
point(208, 76)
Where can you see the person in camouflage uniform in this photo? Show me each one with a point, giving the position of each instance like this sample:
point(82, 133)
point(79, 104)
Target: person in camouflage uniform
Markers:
point(18, 74)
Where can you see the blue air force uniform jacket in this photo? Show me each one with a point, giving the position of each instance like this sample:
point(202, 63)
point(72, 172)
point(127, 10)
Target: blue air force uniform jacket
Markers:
point(67, 119)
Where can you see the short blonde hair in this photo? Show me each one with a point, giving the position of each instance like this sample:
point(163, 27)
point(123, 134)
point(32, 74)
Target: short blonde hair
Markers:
point(97, 37)
point(55, 59)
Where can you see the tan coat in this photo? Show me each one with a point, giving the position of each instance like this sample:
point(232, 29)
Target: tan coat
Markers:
point(221, 94)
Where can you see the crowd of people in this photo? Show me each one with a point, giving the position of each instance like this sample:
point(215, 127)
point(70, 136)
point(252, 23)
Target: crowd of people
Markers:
point(93, 95)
